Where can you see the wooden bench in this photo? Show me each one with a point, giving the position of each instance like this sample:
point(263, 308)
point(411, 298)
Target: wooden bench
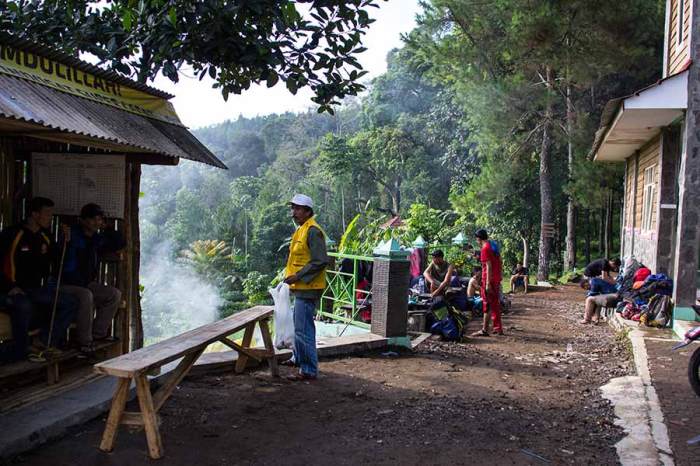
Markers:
point(188, 346)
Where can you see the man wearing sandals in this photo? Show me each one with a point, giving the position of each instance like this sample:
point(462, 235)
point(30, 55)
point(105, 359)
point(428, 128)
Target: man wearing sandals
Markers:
point(306, 276)
point(98, 303)
point(491, 269)
point(26, 256)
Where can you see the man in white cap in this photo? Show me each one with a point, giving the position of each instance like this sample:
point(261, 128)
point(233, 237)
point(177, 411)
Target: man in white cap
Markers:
point(306, 276)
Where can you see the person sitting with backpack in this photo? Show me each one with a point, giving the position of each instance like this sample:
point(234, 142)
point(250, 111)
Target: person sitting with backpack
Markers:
point(601, 293)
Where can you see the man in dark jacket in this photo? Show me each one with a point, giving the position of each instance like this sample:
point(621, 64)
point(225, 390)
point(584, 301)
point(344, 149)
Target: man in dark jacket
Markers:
point(602, 268)
point(98, 303)
point(27, 254)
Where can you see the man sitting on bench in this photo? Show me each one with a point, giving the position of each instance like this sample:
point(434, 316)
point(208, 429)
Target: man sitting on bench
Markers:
point(26, 255)
point(98, 303)
point(19, 308)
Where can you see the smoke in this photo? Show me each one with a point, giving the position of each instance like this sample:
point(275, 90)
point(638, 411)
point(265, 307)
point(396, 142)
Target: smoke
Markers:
point(174, 299)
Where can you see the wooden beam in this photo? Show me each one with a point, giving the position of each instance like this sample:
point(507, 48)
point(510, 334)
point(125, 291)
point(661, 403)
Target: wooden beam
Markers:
point(115, 415)
point(250, 352)
point(175, 378)
point(134, 419)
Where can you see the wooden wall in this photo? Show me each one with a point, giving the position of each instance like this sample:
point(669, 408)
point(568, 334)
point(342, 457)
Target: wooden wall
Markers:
point(648, 157)
point(15, 190)
point(630, 176)
point(678, 55)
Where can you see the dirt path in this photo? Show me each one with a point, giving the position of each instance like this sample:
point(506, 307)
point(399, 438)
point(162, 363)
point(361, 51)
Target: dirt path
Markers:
point(518, 399)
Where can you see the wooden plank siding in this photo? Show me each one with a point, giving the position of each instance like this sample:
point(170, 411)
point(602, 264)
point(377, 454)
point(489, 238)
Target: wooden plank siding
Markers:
point(678, 55)
point(648, 157)
point(629, 193)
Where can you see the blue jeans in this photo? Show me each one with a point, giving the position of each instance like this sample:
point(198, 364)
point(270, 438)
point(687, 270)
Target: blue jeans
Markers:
point(476, 302)
point(19, 308)
point(305, 336)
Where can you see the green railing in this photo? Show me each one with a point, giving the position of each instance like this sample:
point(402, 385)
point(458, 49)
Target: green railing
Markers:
point(341, 292)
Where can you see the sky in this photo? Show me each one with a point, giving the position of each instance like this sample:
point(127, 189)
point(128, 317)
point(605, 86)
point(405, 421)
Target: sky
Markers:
point(199, 105)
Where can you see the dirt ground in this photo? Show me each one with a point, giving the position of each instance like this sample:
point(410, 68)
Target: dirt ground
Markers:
point(679, 403)
point(530, 397)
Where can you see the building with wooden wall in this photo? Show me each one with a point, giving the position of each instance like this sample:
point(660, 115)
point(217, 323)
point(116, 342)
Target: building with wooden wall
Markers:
point(654, 132)
point(77, 133)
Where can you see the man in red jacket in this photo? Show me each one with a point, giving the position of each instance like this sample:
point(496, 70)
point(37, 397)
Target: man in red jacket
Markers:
point(490, 283)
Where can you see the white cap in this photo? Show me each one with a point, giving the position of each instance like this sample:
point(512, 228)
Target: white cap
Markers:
point(302, 199)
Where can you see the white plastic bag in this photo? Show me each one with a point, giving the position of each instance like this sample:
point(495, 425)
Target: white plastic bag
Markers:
point(284, 320)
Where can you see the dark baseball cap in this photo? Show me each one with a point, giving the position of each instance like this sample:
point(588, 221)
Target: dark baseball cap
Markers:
point(91, 211)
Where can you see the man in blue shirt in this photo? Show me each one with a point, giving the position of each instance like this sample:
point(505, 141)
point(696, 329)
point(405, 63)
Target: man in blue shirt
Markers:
point(98, 302)
point(601, 293)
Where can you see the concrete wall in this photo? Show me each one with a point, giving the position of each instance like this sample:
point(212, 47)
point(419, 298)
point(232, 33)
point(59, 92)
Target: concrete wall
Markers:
point(688, 230)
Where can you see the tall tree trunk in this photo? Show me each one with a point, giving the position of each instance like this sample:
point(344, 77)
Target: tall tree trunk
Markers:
point(395, 194)
point(587, 243)
point(526, 250)
point(601, 231)
point(546, 208)
point(342, 207)
point(570, 257)
point(609, 225)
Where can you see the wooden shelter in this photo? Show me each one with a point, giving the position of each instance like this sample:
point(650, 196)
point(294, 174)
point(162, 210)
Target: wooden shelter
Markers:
point(76, 133)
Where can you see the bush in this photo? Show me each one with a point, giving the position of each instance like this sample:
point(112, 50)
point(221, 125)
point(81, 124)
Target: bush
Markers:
point(255, 287)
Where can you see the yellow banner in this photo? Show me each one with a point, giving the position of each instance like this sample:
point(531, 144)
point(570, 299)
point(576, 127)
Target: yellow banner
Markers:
point(69, 79)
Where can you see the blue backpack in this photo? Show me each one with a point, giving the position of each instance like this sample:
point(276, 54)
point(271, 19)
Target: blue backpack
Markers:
point(446, 327)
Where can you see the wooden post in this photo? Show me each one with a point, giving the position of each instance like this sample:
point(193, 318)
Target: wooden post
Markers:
point(150, 421)
point(267, 339)
point(115, 415)
point(132, 231)
point(242, 357)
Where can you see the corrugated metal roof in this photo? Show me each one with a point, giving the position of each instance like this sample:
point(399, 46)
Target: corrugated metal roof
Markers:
point(27, 101)
point(67, 59)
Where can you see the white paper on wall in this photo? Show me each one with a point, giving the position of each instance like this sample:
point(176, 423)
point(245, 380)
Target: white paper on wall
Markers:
point(73, 180)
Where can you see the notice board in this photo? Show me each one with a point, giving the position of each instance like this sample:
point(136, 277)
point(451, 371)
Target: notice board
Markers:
point(73, 180)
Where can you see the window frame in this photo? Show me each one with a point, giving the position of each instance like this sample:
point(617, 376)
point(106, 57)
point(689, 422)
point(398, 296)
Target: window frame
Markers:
point(680, 22)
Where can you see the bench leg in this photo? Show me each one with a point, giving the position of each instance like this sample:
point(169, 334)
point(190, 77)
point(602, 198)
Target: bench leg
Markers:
point(247, 339)
point(52, 373)
point(175, 378)
point(115, 415)
point(267, 339)
point(148, 412)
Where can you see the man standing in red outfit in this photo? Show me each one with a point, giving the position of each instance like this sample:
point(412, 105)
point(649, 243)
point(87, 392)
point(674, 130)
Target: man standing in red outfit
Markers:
point(490, 283)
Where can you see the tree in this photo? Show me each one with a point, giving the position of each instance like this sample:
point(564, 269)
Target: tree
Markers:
point(273, 226)
point(518, 65)
point(236, 43)
point(387, 156)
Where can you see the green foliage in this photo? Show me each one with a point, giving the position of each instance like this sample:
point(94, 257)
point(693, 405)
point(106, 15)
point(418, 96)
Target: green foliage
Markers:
point(236, 44)
point(450, 137)
point(272, 228)
point(255, 288)
point(363, 234)
point(432, 224)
